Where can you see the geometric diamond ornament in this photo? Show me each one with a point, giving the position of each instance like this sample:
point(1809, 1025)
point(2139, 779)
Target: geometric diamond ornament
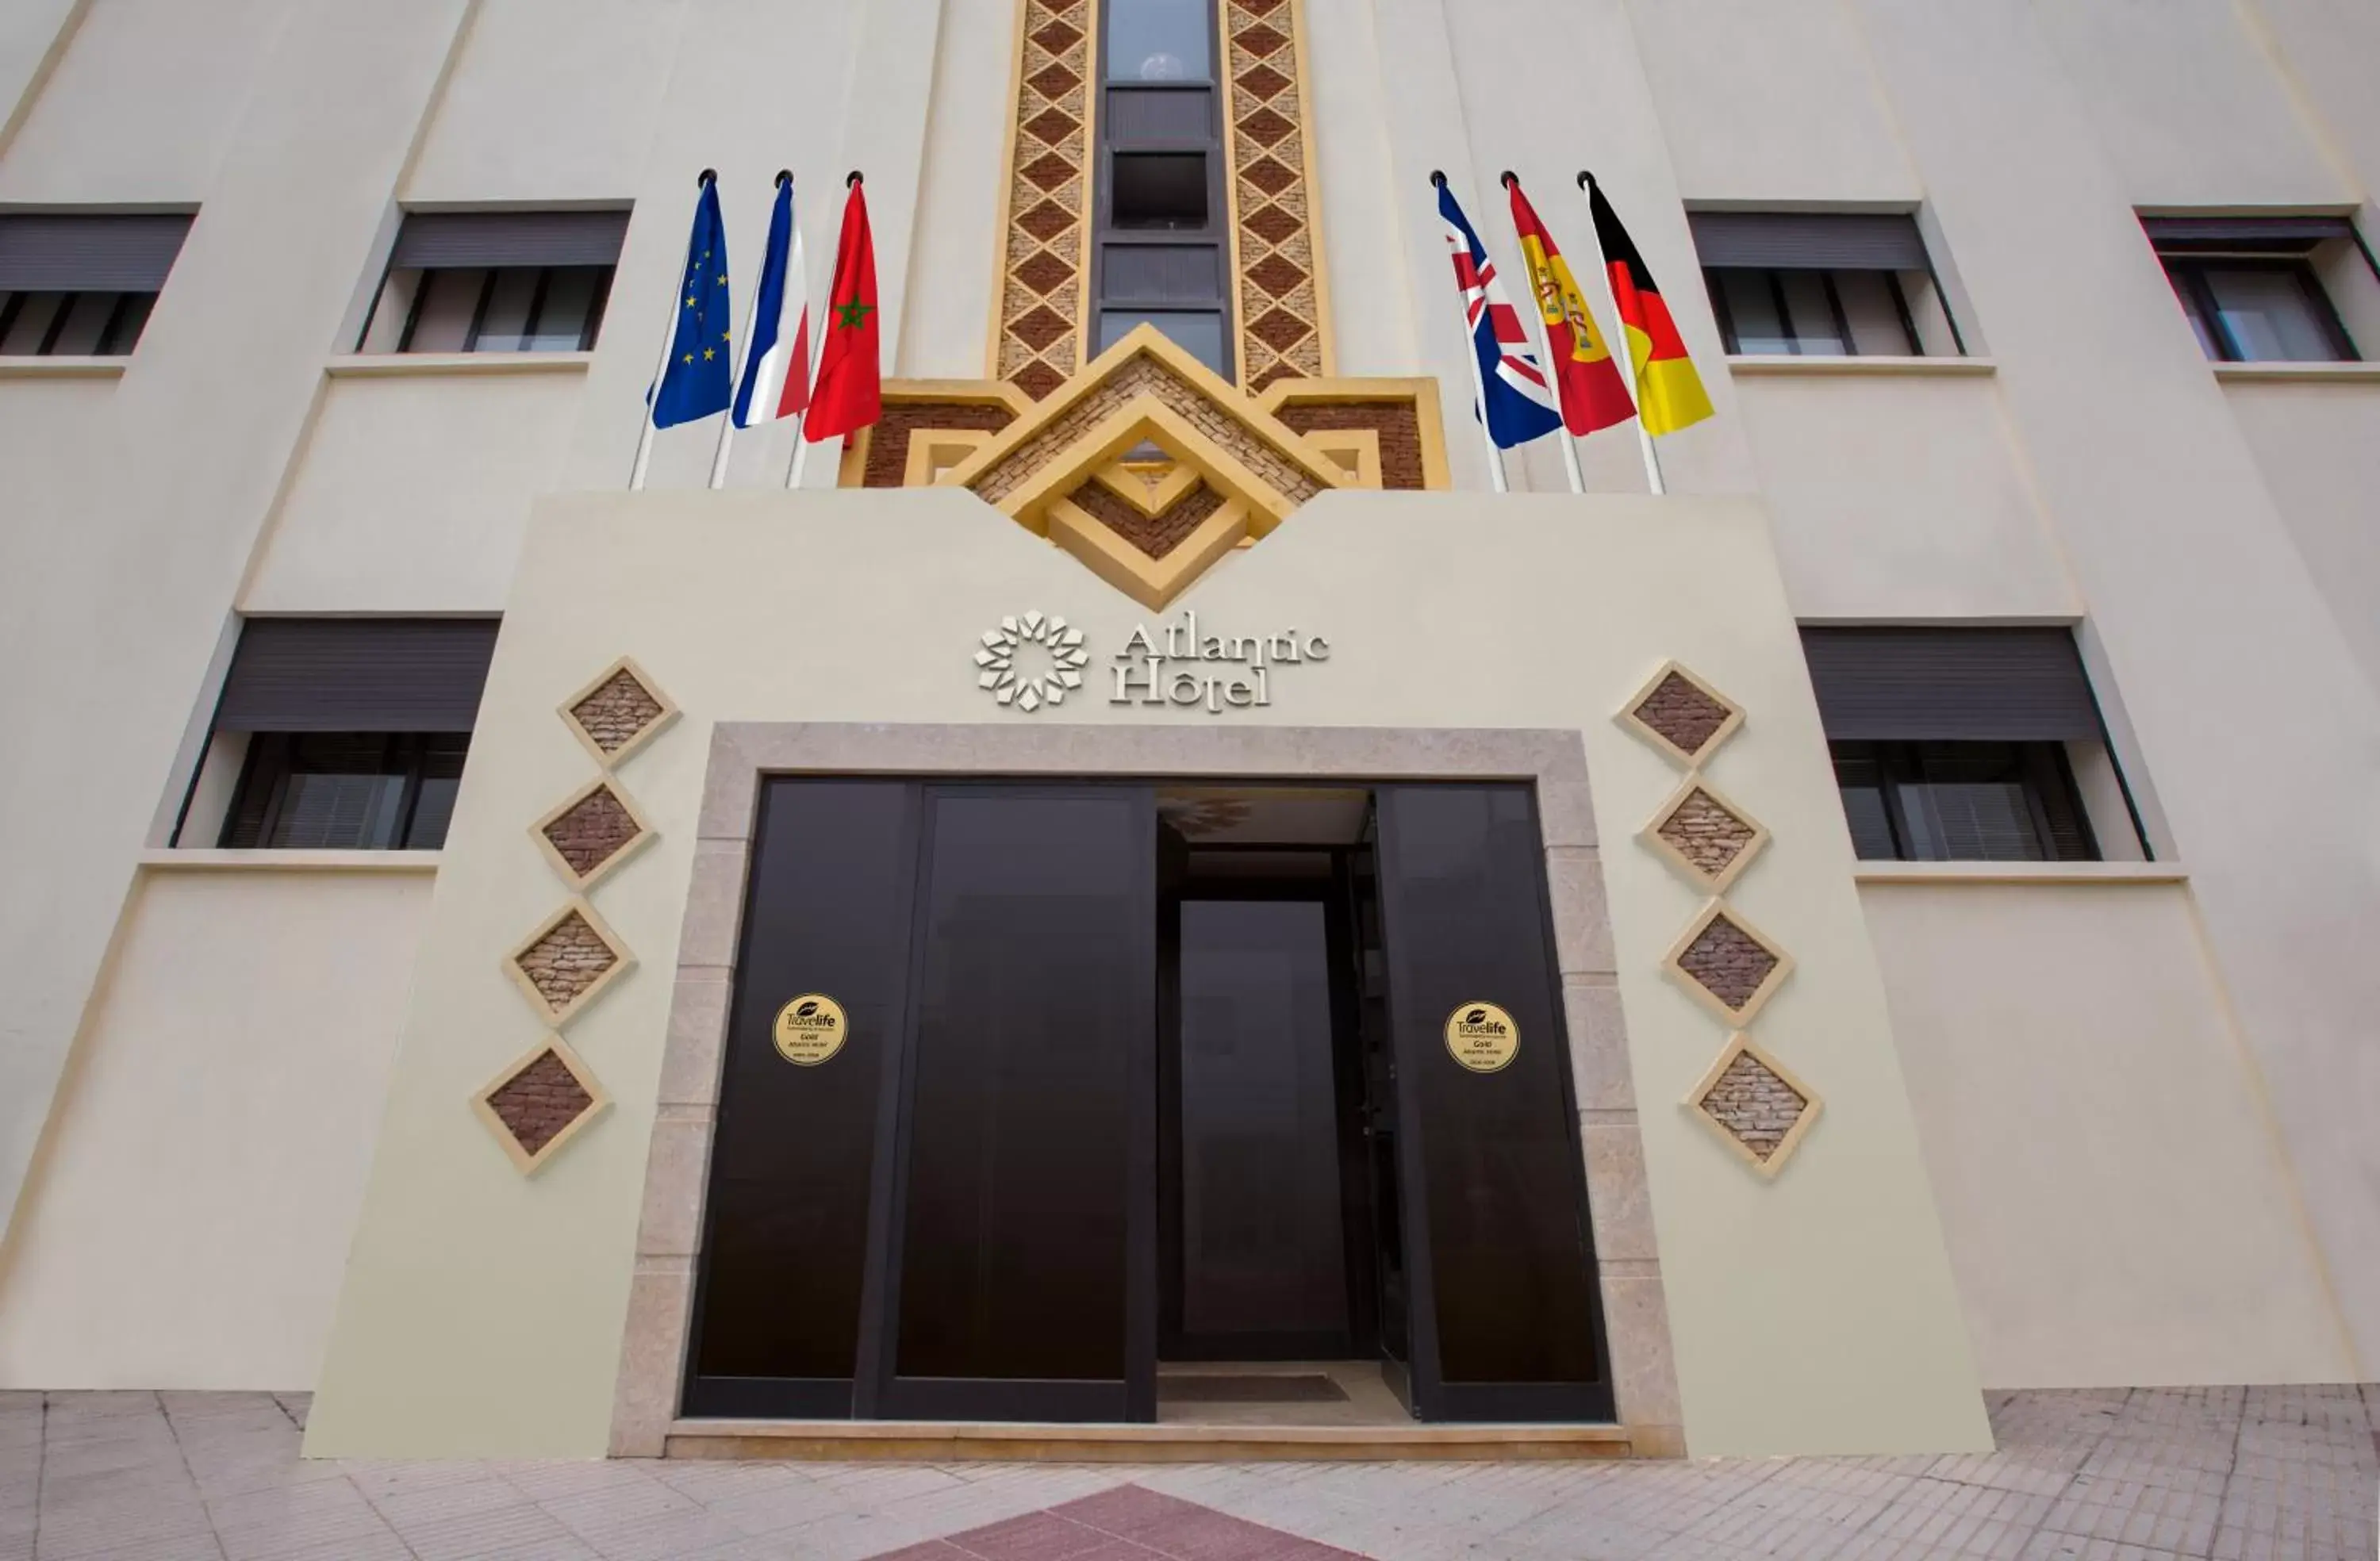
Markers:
point(1725, 963)
point(541, 1101)
point(1704, 836)
point(1754, 1104)
point(618, 713)
point(592, 833)
point(567, 963)
point(1681, 715)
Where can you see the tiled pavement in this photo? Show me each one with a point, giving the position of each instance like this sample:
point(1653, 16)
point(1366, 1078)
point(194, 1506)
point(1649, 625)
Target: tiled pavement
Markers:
point(2236, 1473)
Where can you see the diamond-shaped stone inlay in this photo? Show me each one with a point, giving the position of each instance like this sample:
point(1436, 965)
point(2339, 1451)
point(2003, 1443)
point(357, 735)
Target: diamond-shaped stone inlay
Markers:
point(1262, 41)
point(1735, 969)
point(1754, 1106)
point(592, 833)
point(1279, 329)
point(538, 1102)
point(1276, 275)
point(1053, 124)
point(563, 967)
point(1685, 716)
point(1053, 80)
point(1045, 273)
point(1058, 36)
point(1045, 220)
point(1274, 224)
point(1049, 171)
point(1270, 175)
point(1038, 328)
point(617, 712)
point(1263, 79)
point(1265, 126)
point(1708, 835)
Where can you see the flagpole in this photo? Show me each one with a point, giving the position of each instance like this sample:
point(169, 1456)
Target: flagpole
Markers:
point(1619, 340)
point(801, 430)
point(1553, 374)
point(1478, 386)
point(661, 361)
point(751, 314)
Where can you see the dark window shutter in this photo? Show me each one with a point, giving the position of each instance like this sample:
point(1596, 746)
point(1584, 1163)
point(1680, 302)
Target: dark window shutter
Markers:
point(2278, 235)
point(1912, 685)
point(1809, 240)
point(357, 675)
point(450, 239)
point(119, 253)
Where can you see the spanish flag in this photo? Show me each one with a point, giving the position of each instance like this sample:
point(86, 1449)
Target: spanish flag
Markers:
point(1668, 393)
point(1593, 396)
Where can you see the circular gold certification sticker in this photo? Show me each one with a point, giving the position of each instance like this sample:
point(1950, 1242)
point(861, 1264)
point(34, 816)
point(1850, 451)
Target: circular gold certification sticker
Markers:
point(1482, 1036)
point(810, 1029)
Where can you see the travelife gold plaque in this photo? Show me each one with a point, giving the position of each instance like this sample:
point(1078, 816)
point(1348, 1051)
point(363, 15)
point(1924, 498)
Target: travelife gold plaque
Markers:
point(1482, 1037)
point(810, 1029)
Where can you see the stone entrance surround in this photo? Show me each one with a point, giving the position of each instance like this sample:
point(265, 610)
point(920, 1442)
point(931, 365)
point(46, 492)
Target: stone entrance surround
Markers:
point(661, 1295)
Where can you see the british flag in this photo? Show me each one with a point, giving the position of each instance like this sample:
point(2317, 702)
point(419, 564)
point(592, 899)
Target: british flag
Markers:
point(1516, 401)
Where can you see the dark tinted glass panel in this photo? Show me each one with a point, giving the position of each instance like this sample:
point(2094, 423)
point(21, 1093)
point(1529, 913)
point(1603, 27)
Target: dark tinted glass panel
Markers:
point(1962, 802)
point(1198, 332)
point(346, 791)
point(1158, 41)
point(1160, 274)
point(2272, 315)
point(1502, 1198)
point(1159, 189)
point(787, 1231)
point(1035, 1008)
point(1140, 115)
point(72, 324)
point(1263, 1249)
point(1861, 780)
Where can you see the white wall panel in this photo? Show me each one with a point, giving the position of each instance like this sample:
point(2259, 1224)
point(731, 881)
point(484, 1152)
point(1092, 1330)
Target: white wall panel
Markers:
point(143, 104)
point(1899, 497)
point(190, 1227)
point(412, 493)
point(2118, 1210)
point(2319, 446)
point(957, 242)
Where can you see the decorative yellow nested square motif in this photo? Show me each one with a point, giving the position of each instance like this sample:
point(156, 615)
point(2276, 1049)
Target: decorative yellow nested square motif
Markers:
point(1681, 715)
point(1727, 964)
point(617, 713)
point(567, 963)
point(1706, 836)
point(1755, 1104)
point(592, 833)
point(541, 1101)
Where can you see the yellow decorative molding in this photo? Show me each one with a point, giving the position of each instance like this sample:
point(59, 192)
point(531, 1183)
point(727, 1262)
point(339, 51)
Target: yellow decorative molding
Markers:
point(1152, 582)
point(1386, 405)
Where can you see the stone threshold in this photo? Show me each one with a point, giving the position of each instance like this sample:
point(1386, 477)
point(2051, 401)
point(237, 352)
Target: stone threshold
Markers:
point(1039, 1441)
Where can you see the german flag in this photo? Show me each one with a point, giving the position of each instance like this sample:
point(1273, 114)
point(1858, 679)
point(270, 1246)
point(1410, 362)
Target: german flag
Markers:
point(1670, 394)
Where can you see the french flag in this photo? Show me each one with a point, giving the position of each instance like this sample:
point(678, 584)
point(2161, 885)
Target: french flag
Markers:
point(777, 364)
point(1516, 401)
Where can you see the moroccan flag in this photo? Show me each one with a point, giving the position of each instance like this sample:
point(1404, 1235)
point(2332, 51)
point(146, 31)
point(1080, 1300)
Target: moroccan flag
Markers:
point(849, 395)
point(1593, 395)
point(1668, 392)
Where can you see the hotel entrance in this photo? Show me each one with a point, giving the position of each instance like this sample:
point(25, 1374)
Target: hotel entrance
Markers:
point(1142, 1101)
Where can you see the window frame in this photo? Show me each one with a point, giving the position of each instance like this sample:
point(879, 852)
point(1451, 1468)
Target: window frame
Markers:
point(489, 277)
point(13, 308)
point(1898, 765)
point(278, 747)
point(2187, 269)
point(1730, 341)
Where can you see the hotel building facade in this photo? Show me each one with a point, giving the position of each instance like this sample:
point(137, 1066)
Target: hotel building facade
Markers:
point(1144, 909)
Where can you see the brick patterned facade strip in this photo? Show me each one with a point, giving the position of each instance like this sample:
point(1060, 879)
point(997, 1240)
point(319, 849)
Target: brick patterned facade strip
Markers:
point(597, 828)
point(615, 713)
point(1727, 962)
point(888, 442)
point(1042, 285)
point(1156, 535)
point(1278, 293)
point(1753, 1105)
point(540, 1100)
point(1396, 423)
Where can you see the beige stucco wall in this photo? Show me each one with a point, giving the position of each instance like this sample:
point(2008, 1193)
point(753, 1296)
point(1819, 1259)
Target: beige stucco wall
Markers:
point(483, 1314)
point(2318, 445)
point(190, 1220)
point(2117, 1207)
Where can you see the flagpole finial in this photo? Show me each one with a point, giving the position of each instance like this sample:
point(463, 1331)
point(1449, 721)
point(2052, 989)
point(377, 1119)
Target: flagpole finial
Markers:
point(1510, 178)
point(784, 177)
point(707, 176)
point(1437, 178)
point(1586, 179)
point(853, 178)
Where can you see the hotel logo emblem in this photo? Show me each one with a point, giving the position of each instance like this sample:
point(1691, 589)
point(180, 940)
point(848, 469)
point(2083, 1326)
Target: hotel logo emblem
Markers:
point(1482, 1037)
point(1031, 661)
point(810, 1029)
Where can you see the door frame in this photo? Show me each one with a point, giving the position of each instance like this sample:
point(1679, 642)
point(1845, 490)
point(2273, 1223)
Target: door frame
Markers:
point(654, 1334)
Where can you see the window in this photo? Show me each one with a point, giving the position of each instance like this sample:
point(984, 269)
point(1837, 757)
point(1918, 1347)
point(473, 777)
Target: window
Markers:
point(1962, 802)
point(2252, 288)
point(1962, 744)
point(342, 733)
point(496, 281)
point(353, 791)
point(1159, 246)
point(1819, 284)
point(82, 286)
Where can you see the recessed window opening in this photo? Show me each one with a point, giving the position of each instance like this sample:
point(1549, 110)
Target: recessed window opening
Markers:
point(1159, 189)
point(347, 791)
point(82, 286)
point(2267, 289)
point(1823, 285)
point(1160, 40)
point(496, 281)
point(1160, 251)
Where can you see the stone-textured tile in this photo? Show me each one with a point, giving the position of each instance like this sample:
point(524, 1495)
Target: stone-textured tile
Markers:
point(715, 904)
point(698, 1034)
point(1582, 912)
point(1600, 1071)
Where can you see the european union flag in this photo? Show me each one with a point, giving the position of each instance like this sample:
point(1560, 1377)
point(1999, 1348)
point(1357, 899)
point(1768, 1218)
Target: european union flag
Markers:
point(699, 379)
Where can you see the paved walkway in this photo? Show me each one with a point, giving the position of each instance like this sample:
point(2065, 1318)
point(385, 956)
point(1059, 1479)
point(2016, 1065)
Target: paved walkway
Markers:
point(2113, 1476)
